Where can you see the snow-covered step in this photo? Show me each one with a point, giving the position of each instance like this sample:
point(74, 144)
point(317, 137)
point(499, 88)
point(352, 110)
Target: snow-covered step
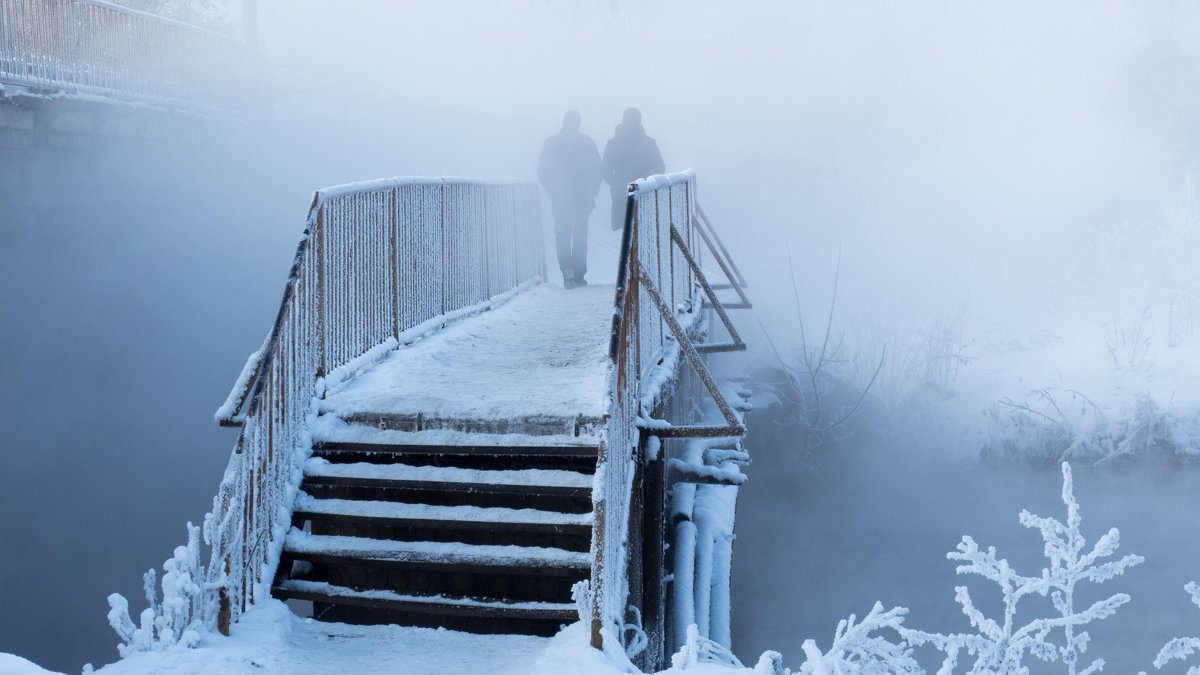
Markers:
point(543, 481)
point(442, 556)
point(330, 428)
point(398, 514)
point(441, 605)
point(578, 457)
point(541, 489)
point(484, 517)
point(585, 427)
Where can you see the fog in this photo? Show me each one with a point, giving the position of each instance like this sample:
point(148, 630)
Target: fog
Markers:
point(954, 157)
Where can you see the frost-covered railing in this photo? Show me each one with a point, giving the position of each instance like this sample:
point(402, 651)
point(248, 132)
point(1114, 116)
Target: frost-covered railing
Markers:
point(98, 49)
point(660, 286)
point(376, 260)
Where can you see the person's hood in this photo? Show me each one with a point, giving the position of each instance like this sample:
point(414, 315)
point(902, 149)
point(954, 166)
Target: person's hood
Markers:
point(627, 129)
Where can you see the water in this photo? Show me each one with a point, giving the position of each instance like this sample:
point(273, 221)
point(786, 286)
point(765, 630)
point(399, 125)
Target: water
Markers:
point(134, 279)
point(817, 543)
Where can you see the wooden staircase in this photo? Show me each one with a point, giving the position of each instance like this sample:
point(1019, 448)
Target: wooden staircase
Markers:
point(473, 532)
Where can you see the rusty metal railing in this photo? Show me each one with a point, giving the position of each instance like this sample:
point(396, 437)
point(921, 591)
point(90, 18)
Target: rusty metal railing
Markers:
point(658, 312)
point(376, 260)
point(91, 48)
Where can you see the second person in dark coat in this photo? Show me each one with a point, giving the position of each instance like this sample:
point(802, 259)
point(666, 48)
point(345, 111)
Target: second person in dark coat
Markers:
point(630, 155)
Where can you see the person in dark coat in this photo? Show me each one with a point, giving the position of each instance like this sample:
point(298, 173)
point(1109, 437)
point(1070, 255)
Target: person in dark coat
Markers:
point(630, 155)
point(569, 170)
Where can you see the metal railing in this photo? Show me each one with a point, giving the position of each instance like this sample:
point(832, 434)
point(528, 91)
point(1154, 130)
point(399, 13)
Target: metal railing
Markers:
point(658, 311)
point(91, 48)
point(376, 260)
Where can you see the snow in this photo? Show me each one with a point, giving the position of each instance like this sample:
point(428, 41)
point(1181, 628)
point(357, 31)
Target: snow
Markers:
point(14, 665)
point(330, 428)
point(271, 640)
point(433, 551)
point(331, 590)
point(543, 354)
point(373, 509)
point(444, 474)
point(381, 184)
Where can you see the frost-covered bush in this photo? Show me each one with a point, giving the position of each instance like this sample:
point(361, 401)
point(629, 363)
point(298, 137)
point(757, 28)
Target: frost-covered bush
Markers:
point(175, 620)
point(1048, 428)
point(1181, 648)
point(1045, 429)
point(1001, 645)
point(858, 648)
point(816, 381)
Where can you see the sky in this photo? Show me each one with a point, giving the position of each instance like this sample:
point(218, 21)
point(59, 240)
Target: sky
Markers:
point(942, 153)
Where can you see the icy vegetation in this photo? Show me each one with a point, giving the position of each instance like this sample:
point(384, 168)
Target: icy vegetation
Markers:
point(857, 648)
point(1181, 648)
point(1039, 621)
point(1051, 426)
point(176, 619)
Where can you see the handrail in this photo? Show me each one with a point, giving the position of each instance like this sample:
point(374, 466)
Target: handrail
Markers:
point(658, 308)
point(96, 49)
point(376, 260)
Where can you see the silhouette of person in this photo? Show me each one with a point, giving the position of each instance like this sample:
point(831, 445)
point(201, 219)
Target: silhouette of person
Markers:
point(630, 155)
point(570, 172)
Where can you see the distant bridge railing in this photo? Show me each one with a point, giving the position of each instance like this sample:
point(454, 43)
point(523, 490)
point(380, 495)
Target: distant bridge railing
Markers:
point(91, 48)
point(377, 260)
point(659, 309)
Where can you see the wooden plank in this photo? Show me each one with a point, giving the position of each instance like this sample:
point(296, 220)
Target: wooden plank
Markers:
point(588, 451)
point(530, 425)
point(439, 486)
point(490, 611)
point(443, 525)
point(521, 568)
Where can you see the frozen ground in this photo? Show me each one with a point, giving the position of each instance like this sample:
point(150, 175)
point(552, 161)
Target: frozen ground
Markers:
point(542, 354)
point(271, 640)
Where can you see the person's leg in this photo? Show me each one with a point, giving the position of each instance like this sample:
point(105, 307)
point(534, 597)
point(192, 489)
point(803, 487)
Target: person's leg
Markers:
point(579, 249)
point(620, 195)
point(563, 232)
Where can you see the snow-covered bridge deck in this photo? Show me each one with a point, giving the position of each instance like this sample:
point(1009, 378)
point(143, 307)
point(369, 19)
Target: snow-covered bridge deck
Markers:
point(533, 365)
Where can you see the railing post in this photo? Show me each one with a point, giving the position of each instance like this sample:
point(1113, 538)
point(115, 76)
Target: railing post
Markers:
point(393, 255)
point(319, 250)
point(224, 608)
point(442, 229)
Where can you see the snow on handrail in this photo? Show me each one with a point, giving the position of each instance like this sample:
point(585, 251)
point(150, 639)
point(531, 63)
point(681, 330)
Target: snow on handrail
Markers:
point(96, 50)
point(662, 181)
point(381, 184)
point(378, 261)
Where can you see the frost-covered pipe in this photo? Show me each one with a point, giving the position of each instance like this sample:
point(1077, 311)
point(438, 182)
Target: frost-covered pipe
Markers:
point(719, 630)
point(683, 594)
point(705, 546)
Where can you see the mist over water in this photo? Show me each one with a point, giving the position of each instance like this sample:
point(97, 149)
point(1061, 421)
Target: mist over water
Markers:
point(950, 155)
point(817, 542)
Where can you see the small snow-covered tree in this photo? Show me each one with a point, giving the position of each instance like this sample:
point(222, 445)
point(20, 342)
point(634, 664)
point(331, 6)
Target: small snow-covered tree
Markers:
point(1001, 646)
point(858, 648)
point(177, 619)
point(1181, 648)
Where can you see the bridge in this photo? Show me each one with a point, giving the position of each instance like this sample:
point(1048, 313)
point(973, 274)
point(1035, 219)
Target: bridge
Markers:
point(433, 436)
point(95, 68)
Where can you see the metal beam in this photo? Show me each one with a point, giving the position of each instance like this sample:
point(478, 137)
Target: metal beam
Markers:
point(738, 344)
point(734, 427)
point(736, 282)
